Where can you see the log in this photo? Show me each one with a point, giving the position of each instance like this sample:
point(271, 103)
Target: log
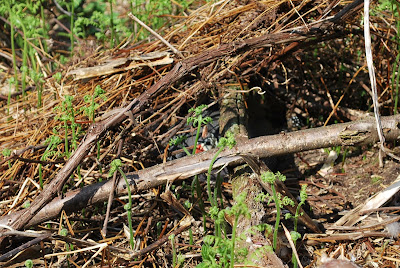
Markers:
point(347, 134)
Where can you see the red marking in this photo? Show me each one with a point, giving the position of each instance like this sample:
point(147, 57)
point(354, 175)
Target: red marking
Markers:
point(199, 148)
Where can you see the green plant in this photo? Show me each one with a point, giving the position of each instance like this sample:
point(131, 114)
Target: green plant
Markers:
point(91, 100)
point(38, 80)
point(29, 263)
point(90, 110)
point(25, 16)
point(65, 118)
point(198, 121)
point(152, 13)
point(57, 77)
point(116, 166)
point(68, 118)
point(294, 234)
point(213, 247)
point(240, 208)
point(179, 140)
point(159, 226)
point(270, 177)
point(113, 35)
point(26, 204)
point(172, 239)
point(376, 179)
point(217, 245)
point(190, 238)
point(52, 143)
point(6, 153)
point(71, 9)
point(63, 232)
point(180, 260)
point(228, 141)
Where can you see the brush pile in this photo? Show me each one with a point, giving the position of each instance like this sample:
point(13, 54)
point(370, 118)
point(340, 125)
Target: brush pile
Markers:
point(297, 65)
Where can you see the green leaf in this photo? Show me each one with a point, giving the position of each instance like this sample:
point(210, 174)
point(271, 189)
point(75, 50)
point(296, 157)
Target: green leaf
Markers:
point(29, 263)
point(295, 235)
point(63, 232)
point(6, 152)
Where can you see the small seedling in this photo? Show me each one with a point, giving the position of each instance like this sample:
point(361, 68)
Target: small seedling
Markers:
point(29, 263)
point(52, 143)
point(6, 153)
point(197, 121)
point(216, 245)
point(116, 166)
point(91, 100)
point(294, 234)
point(57, 77)
point(172, 239)
point(228, 141)
point(179, 140)
point(270, 177)
point(63, 232)
point(90, 110)
point(26, 204)
point(65, 117)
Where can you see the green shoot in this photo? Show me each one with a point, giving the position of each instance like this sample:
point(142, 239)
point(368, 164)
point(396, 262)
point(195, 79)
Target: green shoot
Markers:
point(178, 141)
point(90, 110)
point(28, 263)
point(229, 141)
point(52, 142)
point(116, 166)
point(172, 239)
point(37, 78)
point(197, 121)
point(190, 238)
point(71, 8)
point(93, 105)
point(113, 35)
point(240, 208)
point(57, 76)
point(12, 32)
point(26, 204)
point(295, 236)
point(180, 260)
point(6, 153)
point(216, 245)
point(270, 177)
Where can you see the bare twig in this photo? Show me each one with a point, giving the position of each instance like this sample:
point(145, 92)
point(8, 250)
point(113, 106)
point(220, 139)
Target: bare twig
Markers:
point(371, 71)
point(159, 37)
point(160, 241)
point(111, 196)
point(289, 238)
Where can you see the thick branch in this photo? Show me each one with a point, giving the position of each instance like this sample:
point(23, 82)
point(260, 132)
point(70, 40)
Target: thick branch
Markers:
point(353, 133)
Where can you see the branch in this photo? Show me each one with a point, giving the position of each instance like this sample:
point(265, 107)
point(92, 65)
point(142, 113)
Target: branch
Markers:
point(348, 134)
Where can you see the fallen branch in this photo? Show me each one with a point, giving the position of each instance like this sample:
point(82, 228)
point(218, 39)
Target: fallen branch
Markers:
point(348, 134)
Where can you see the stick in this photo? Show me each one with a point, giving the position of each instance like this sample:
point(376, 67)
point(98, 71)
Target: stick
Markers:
point(159, 37)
